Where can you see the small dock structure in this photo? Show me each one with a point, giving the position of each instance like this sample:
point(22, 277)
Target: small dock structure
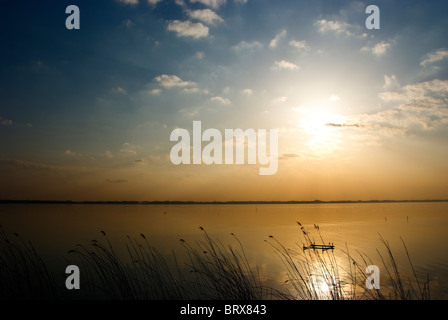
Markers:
point(322, 247)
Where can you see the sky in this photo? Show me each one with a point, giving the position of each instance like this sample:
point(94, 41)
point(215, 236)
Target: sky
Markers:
point(87, 114)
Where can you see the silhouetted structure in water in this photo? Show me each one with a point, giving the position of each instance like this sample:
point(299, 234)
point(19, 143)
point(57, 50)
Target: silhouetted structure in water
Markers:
point(322, 247)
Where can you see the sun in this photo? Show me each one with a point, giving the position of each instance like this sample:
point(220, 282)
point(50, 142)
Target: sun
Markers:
point(317, 124)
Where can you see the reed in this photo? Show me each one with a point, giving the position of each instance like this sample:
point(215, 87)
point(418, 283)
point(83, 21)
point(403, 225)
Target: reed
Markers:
point(211, 270)
point(318, 274)
point(145, 275)
point(312, 274)
point(23, 273)
point(224, 272)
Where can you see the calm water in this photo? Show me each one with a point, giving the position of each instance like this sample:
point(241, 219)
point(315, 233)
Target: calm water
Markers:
point(54, 229)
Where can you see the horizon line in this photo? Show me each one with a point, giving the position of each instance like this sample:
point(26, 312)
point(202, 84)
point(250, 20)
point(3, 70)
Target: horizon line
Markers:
point(179, 202)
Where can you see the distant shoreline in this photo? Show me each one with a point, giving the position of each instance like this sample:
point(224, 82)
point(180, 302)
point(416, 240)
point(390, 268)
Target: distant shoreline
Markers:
point(210, 202)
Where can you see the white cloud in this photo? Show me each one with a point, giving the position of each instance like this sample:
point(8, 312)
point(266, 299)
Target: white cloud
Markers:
point(199, 55)
point(247, 92)
point(173, 81)
point(128, 2)
point(433, 57)
point(390, 82)
point(194, 90)
point(136, 2)
point(205, 15)
point(155, 92)
point(274, 42)
point(180, 3)
point(215, 4)
point(244, 45)
point(334, 98)
point(279, 65)
point(280, 100)
point(379, 49)
point(417, 107)
point(240, 1)
point(221, 100)
point(128, 149)
point(435, 89)
point(189, 112)
point(188, 29)
point(338, 27)
point(300, 45)
point(118, 90)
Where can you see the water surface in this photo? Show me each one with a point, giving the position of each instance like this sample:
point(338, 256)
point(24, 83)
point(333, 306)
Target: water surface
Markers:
point(56, 228)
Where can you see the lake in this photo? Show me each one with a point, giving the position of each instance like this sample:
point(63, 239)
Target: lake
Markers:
point(56, 228)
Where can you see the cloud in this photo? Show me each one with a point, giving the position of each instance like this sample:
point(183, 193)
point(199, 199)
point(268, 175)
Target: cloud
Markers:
point(108, 154)
point(173, 81)
point(390, 82)
point(199, 55)
point(344, 125)
point(128, 24)
point(5, 122)
point(247, 92)
point(379, 49)
point(128, 149)
point(221, 100)
point(153, 2)
point(155, 92)
point(20, 164)
point(285, 65)
point(215, 4)
point(240, 1)
point(180, 3)
point(195, 90)
point(128, 2)
point(205, 15)
point(188, 29)
point(417, 107)
point(136, 2)
point(434, 89)
point(280, 100)
point(118, 90)
point(338, 27)
point(72, 154)
point(300, 45)
point(433, 57)
point(244, 45)
point(334, 98)
point(274, 42)
point(287, 156)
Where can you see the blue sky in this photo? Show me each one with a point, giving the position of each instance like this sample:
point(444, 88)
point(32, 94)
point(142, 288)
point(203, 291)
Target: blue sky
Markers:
point(88, 113)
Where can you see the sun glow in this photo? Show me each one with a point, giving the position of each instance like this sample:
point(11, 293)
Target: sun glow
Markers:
point(316, 122)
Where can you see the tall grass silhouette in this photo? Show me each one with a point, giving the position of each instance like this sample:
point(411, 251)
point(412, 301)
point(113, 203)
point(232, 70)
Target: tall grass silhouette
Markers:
point(211, 270)
point(225, 272)
point(23, 273)
point(317, 274)
point(145, 275)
